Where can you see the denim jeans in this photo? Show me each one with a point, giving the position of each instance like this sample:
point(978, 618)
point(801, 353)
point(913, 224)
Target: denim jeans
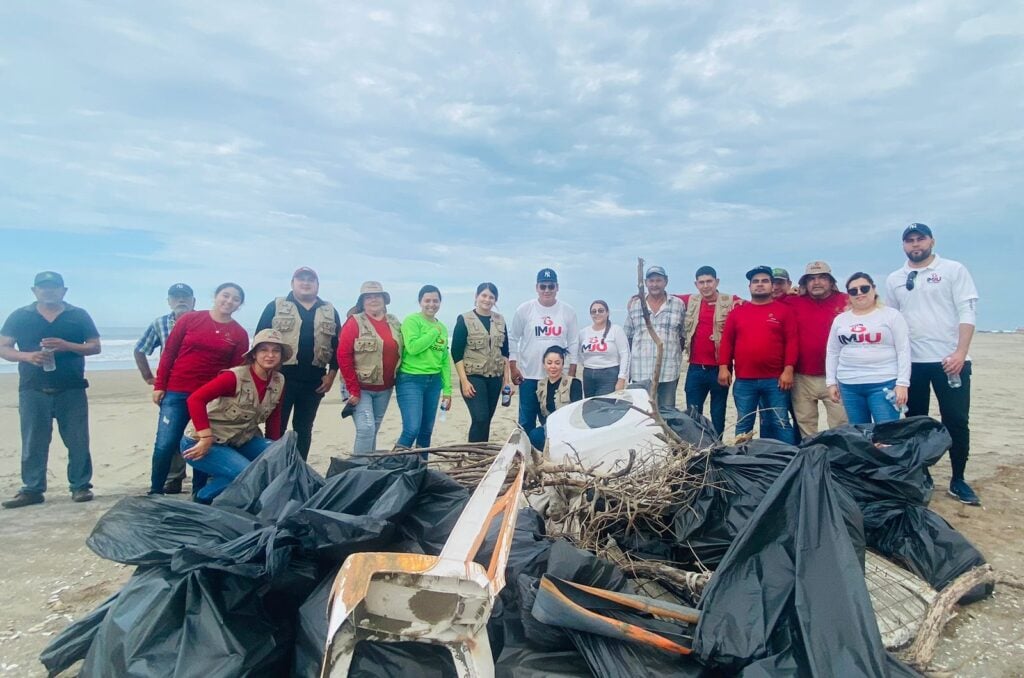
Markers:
point(537, 436)
point(37, 410)
point(223, 463)
point(599, 382)
point(417, 396)
point(481, 406)
point(764, 398)
point(368, 415)
point(702, 381)
point(529, 408)
point(170, 427)
point(954, 407)
point(863, 402)
point(667, 393)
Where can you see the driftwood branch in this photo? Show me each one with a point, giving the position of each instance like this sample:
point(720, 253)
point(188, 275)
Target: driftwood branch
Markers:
point(659, 356)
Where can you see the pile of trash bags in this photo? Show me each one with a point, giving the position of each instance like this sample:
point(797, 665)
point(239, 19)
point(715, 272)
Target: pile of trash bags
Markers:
point(240, 588)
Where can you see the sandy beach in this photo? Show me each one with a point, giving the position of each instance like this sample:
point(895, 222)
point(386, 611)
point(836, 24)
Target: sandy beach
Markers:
point(50, 578)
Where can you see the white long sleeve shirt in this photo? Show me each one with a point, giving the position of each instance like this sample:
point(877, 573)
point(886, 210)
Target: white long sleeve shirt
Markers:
point(599, 352)
point(944, 297)
point(534, 328)
point(868, 349)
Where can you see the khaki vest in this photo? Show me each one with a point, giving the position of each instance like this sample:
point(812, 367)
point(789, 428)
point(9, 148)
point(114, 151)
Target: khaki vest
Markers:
point(288, 322)
point(483, 349)
point(562, 397)
point(369, 350)
point(236, 420)
point(722, 307)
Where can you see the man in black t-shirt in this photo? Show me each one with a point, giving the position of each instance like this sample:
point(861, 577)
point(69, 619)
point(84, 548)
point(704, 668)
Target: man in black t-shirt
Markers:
point(49, 340)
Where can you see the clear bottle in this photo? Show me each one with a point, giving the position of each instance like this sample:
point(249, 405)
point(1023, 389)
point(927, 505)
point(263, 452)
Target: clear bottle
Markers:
point(50, 362)
point(444, 413)
point(890, 395)
point(954, 380)
point(506, 396)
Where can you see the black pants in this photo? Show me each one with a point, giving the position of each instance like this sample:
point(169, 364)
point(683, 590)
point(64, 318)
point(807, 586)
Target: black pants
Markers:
point(954, 407)
point(481, 406)
point(300, 404)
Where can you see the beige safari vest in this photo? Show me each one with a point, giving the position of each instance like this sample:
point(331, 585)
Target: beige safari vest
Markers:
point(369, 349)
point(235, 421)
point(562, 397)
point(722, 307)
point(483, 349)
point(288, 322)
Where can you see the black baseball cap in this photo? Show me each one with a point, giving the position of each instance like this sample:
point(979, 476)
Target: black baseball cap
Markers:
point(705, 270)
point(48, 277)
point(547, 275)
point(767, 270)
point(656, 270)
point(179, 290)
point(917, 228)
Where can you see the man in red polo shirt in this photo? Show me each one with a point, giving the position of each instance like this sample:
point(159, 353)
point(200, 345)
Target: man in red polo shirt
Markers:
point(819, 302)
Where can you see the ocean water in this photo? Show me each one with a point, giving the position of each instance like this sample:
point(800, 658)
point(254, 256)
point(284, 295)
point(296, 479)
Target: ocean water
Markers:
point(118, 344)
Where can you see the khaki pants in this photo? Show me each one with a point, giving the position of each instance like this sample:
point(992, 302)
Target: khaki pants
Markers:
point(807, 391)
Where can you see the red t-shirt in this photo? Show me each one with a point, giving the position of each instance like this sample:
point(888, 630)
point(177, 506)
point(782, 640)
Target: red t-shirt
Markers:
point(224, 385)
point(761, 338)
point(197, 349)
point(814, 320)
point(347, 355)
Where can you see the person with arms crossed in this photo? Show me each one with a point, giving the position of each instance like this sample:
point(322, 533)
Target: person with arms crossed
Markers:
point(49, 340)
point(938, 299)
point(667, 316)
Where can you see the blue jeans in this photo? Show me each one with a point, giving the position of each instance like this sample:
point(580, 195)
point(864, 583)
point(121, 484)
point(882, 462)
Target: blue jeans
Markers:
point(417, 396)
point(37, 410)
point(223, 463)
point(529, 408)
point(753, 396)
point(702, 381)
point(863, 402)
point(367, 417)
point(537, 436)
point(170, 427)
point(600, 381)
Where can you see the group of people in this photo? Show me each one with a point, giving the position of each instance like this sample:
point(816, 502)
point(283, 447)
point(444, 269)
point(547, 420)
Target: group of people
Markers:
point(782, 351)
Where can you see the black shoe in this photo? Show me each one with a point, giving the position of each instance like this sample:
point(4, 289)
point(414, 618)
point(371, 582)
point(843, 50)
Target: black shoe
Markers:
point(81, 496)
point(173, 486)
point(23, 499)
point(959, 489)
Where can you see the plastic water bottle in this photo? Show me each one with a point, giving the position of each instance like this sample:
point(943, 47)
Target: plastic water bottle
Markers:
point(890, 395)
point(506, 396)
point(50, 363)
point(444, 413)
point(954, 380)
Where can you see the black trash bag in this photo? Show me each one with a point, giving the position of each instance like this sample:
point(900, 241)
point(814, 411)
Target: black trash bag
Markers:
point(311, 634)
point(737, 478)
point(527, 662)
point(432, 515)
point(692, 426)
point(789, 596)
point(923, 542)
point(897, 469)
point(73, 642)
point(274, 485)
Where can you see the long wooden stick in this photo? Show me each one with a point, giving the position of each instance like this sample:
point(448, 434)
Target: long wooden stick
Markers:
point(659, 356)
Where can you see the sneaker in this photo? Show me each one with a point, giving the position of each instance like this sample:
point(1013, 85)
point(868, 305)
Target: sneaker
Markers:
point(959, 489)
point(173, 486)
point(80, 496)
point(23, 499)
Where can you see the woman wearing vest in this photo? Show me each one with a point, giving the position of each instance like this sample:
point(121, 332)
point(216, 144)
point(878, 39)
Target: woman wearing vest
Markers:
point(424, 376)
point(554, 391)
point(480, 354)
point(224, 436)
point(605, 352)
point(369, 352)
point(201, 344)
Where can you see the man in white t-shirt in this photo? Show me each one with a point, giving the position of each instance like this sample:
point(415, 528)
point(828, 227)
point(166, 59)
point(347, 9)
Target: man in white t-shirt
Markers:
point(537, 325)
point(938, 299)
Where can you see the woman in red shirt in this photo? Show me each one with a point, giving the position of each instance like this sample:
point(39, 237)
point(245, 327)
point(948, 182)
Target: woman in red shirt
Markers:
point(226, 413)
point(201, 344)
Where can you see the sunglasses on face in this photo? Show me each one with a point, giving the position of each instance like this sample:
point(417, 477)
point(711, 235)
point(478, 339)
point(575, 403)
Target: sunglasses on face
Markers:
point(910, 280)
point(596, 311)
point(859, 290)
point(546, 286)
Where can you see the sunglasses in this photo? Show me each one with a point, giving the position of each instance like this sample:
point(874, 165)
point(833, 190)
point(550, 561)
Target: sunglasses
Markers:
point(547, 286)
point(910, 280)
point(859, 290)
point(595, 311)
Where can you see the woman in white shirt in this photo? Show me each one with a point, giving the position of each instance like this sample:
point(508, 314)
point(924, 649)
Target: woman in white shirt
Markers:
point(868, 356)
point(605, 353)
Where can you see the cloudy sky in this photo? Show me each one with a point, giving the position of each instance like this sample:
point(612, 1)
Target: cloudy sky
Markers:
point(146, 143)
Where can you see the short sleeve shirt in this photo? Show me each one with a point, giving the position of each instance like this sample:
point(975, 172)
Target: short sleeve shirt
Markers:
point(156, 334)
point(28, 328)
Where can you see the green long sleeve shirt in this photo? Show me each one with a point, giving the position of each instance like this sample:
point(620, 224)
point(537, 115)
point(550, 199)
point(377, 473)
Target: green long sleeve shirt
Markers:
point(425, 349)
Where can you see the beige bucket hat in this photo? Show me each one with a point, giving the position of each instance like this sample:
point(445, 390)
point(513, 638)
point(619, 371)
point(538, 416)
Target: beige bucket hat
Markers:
point(270, 336)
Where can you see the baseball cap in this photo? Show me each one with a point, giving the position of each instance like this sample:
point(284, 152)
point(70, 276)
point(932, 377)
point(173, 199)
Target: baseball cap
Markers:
point(305, 270)
point(655, 270)
point(817, 268)
point(917, 228)
point(705, 270)
point(547, 275)
point(767, 270)
point(777, 273)
point(179, 290)
point(50, 277)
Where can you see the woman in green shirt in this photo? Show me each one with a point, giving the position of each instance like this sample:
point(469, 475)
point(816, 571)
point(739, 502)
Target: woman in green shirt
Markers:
point(424, 375)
